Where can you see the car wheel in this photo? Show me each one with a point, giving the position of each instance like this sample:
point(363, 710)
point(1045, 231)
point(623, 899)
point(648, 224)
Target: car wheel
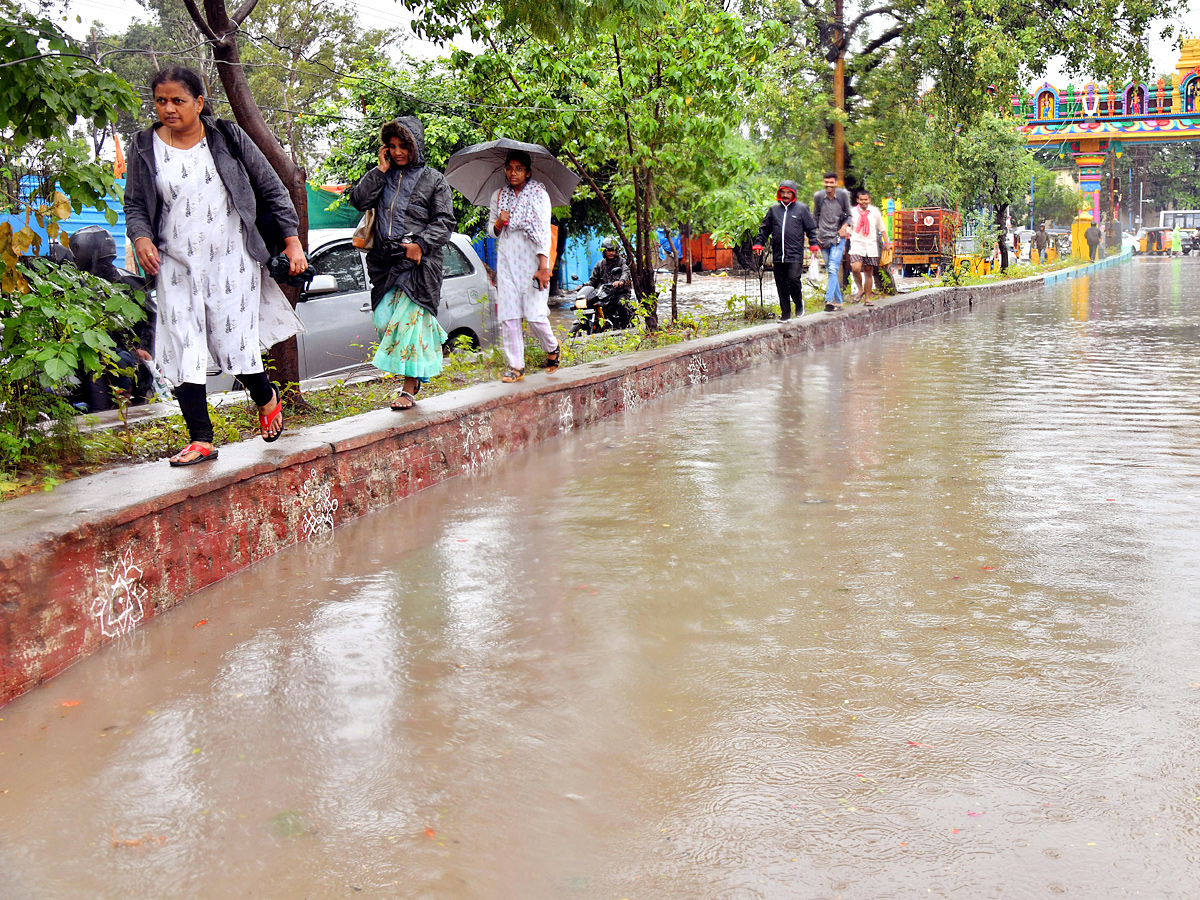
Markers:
point(461, 339)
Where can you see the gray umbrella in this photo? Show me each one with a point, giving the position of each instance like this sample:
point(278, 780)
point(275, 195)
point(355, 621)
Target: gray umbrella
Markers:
point(478, 170)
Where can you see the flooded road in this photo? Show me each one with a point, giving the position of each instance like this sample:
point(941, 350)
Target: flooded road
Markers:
point(913, 616)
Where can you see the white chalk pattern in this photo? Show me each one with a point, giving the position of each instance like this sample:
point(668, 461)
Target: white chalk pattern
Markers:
point(118, 608)
point(697, 371)
point(318, 505)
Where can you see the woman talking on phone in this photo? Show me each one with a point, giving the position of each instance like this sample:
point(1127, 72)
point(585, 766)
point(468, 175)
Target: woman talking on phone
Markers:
point(414, 217)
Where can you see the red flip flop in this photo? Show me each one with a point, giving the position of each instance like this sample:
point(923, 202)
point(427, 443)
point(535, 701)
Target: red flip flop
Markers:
point(265, 422)
point(206, 453)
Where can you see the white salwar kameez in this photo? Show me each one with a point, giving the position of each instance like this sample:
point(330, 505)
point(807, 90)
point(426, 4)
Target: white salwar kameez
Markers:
point(213, 297)
point(517, 296)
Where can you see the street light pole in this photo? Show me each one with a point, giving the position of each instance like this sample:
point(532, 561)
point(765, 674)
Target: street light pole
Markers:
point(839, 95)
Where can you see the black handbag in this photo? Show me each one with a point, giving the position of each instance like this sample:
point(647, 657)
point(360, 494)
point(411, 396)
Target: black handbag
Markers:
point(264, 219)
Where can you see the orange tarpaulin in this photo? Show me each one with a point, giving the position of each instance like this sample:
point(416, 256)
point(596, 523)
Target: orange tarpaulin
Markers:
point(119, 160)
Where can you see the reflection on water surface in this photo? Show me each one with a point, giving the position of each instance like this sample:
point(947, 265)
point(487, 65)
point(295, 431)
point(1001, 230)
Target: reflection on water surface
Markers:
point(910, 616)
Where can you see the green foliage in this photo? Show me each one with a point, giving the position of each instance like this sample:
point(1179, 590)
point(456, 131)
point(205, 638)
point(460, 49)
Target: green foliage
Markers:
point(1053, 202)
point(46, 86)
point(383, 91)
point(62, 324)
point(643, 110)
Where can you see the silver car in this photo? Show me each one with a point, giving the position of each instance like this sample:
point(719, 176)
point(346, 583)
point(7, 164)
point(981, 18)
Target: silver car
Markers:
point(336, 308)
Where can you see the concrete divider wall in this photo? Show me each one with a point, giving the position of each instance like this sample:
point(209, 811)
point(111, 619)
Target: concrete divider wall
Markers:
point(97, 557)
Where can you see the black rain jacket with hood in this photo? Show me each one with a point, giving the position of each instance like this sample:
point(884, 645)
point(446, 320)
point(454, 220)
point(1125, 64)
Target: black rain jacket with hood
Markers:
point(790, 227)
point(414, 198)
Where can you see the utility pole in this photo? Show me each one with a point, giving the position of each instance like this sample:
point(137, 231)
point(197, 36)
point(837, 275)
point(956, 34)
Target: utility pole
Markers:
point(839, 93)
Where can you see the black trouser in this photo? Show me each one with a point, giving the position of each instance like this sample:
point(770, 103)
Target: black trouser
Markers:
point(1092, 248)
point(194, 405)
point(788, 277)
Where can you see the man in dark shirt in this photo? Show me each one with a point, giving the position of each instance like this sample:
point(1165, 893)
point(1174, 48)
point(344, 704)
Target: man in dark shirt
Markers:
point(790, 227)
point(1093, 236)
point(1041, 241)
point(832, 209)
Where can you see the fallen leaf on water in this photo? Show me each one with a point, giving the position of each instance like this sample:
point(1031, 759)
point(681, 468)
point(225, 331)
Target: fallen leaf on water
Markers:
point(70, 703)
point(462, 540)
point(989, 568)
point(201, 622)
point(429, 832)
point(973, 814)
point(919, 744)
point(955, 830)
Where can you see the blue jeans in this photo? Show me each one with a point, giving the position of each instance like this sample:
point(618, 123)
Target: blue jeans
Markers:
point(833, 268)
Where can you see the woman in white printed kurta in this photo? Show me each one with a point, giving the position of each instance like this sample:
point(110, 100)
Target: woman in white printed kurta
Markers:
point(190, 206)
point(520, 220)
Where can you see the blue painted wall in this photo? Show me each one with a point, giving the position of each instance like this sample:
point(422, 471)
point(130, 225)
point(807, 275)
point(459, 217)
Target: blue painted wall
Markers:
point(575, 267)
point(79, 220)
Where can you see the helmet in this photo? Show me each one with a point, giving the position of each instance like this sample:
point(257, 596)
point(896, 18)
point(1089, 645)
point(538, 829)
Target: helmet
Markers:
point(609, 243)
point(94, 248)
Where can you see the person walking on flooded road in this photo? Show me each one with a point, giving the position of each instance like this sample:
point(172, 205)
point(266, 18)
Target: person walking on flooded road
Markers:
point(831, 207)
point(191, 199)
point(1093, 235)
point(867, 235)
point(414, 218)
point(520, 220)
point(791, 229)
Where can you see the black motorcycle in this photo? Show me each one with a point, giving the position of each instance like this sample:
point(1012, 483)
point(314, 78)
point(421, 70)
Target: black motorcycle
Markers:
point(601, 309)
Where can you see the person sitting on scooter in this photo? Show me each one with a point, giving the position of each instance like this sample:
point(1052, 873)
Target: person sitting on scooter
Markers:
point(611, 270)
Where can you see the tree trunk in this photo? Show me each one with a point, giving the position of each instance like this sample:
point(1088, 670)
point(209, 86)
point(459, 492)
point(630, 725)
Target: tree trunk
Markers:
point(1001, 215)
point(674, 281)
point(221, 28)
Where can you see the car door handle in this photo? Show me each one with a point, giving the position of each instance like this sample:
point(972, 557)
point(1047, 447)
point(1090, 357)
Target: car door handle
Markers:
point(366, 307)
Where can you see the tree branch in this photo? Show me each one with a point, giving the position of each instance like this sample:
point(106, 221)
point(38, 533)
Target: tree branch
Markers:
point(239, 16)
point(878, 11)
point(199, 20)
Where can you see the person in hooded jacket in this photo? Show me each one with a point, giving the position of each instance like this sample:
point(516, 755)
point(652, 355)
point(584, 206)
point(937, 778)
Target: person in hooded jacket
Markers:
point(414, 218)
point(791, 228)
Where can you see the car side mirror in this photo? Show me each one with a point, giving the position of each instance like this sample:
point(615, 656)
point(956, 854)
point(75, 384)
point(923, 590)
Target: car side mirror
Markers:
point(321, 284)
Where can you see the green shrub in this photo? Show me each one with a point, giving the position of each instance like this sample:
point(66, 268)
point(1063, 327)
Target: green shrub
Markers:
point(63, 324)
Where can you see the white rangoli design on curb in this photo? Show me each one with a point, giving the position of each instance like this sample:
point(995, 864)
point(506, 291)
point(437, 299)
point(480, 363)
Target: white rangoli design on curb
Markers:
point(318, 504)
point(476, 432)
point(118, 609)
point(697, 371)
point(566, 414)
point(629, 394)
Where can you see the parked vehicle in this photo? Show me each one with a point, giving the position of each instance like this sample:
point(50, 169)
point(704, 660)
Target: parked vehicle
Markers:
point(924, 239)
point(336, 308)
point(1153, 241)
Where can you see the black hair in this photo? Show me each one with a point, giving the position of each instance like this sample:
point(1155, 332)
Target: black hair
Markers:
point(191, 83)
point(859, 191)
point(519, 156)
point(829, 175)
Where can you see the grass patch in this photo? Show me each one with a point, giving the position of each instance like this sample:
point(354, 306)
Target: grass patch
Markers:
point(90, 452)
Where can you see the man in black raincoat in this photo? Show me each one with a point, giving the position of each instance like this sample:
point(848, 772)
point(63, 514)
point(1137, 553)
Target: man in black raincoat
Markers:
point(790, 227)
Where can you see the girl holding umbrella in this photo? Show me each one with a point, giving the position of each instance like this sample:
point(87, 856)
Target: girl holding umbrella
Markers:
point(520, 220)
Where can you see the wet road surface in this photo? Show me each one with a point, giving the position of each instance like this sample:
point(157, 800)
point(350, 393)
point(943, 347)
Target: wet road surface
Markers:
point(913, 616)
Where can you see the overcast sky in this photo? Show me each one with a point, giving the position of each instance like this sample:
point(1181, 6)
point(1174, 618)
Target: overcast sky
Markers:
point(117, 14)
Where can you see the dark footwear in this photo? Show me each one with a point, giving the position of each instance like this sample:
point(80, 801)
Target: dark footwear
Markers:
point(553, 358)
point(510, 375)
point(206, 453)
point(401, 407)
point(829, 307)
point(266, 421)
point(868, 303)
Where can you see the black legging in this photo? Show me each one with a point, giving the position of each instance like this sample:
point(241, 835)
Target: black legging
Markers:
point(193, 403)
point(788, 276)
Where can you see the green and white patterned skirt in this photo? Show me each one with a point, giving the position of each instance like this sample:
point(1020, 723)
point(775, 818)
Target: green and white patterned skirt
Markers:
point(410, 338)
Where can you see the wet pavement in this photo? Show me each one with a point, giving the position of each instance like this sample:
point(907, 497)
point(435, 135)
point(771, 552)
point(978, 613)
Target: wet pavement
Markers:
point(911, 616)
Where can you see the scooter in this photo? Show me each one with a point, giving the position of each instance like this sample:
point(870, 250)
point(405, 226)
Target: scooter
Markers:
point(600, 309)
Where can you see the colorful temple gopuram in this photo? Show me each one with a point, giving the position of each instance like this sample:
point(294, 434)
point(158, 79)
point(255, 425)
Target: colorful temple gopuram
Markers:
point(1094, 120)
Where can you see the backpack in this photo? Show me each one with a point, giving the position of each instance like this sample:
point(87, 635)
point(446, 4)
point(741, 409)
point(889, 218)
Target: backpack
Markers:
point(842, 199)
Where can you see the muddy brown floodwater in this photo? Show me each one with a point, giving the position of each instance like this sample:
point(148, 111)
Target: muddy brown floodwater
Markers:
point(913, 616)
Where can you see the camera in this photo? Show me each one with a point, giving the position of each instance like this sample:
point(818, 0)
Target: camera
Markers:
point(279, 267)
